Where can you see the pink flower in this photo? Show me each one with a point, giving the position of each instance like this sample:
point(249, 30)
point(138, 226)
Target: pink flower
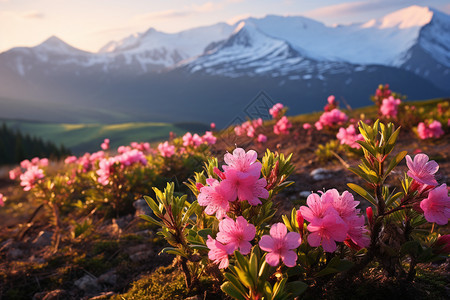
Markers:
point(262, 138)
point(209, 138)
point(344, 204)
point(216, 197)
point(331, 118)
point(327, 231)
point(389, 107)
point(131, 157)
point(166, 150)
point(15, 173)
point(29, 178)
point(25, 164)
point(436, 207)
point(218, 253)
point(421, 169)
point(317, 207)
point(244, 163)
point(306, 126)
point(2, 203)
point(282, 126)
point(106, 168)
point(357, 232)
point(318, 125)
point(279, 244)
point(248, 189)
point(275, 110)
point(331, 99)
point(236, 234)
point(213, 125)
point(105, 144)
point(242, 176)
point(349, 136)
point(434, 130)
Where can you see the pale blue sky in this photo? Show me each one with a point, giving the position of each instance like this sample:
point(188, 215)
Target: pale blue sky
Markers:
point(89, 24)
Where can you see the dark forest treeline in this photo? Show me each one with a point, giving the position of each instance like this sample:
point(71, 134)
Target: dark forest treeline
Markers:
point(15, 147)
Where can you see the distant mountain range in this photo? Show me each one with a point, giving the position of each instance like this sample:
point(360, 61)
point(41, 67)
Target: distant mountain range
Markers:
point(212, 73)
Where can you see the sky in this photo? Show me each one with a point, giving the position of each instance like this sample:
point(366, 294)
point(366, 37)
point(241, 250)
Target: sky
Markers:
point(90, 24)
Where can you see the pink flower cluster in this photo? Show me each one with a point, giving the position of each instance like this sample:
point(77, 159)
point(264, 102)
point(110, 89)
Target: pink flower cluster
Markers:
point(124, 159)
point(29, 172)
point(436, 207)
point(232, 235)
point(248, 128)
point(196, 140)
point(282, 126)
point(331, 118)
point(166, 150)
point(240, 180)
point(30, 177)
point(389, 107)
point(105, 144)
point(2, 202)
point(275, 110)
point(434, 130)
point(334, 218)
point(349, 136)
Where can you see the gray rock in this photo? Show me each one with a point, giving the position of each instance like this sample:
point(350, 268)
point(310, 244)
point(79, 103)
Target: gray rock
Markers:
point(88, 284)
point(109, 278)
point(304, 194)
point(43, 239)
point(321, 174)
point(15, 253)
point(142, 208)
point(139, 253)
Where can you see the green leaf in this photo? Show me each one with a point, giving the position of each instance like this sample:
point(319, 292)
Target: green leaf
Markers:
point(152, 204)
point(253, 267)
point(391, 142)
point(411, 247)
point(205, 232)
point(368, 147)
point(335, 265)
point(363, 193)
point(394, 162)
point(231, 291)
point(296, 288)
point(235, 282)
point(151, 220)
point(243, 264)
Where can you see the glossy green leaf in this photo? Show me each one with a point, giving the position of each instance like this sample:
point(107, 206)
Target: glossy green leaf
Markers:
point(362, 192)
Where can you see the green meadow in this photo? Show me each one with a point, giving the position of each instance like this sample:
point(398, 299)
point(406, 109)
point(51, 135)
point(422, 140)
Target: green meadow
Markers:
point(88, 136)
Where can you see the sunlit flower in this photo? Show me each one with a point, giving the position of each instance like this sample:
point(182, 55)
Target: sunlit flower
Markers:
point(279, 244)
point(236, 234)
point(422, 170)
point(436, 208)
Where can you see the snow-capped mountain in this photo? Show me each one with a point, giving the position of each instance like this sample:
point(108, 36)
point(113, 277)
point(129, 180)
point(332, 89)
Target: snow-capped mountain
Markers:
point(387, 41)
point(409, 48)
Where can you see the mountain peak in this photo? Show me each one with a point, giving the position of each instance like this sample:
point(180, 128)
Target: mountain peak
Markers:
point(55, 44)
point(412, 16)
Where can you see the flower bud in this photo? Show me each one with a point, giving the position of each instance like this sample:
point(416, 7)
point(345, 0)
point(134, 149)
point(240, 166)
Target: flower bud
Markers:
point(369, 213)
point(442, 245)
point(300, 220)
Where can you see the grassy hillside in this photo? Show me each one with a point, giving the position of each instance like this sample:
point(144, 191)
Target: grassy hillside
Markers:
point(88, 137)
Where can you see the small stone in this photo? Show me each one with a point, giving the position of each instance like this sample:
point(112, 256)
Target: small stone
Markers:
point(43, 239)
point(88, 284)
point(196, 297)
point(142, 208)
point(109, 278)
point(321, 174)
point(304, 194)
point(103, 296)
point(15, 253)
